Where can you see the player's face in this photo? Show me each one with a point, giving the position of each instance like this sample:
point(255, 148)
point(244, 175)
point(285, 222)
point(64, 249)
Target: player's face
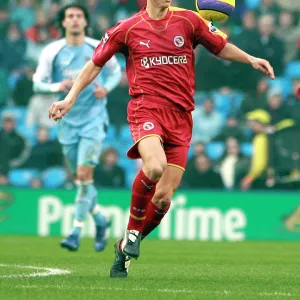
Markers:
point(161, 3)
point(74, 21)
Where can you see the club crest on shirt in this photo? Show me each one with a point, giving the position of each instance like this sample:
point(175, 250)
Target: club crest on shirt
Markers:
point(212, 27)
point(148, 126)
point(179, 41)
point(104, 39)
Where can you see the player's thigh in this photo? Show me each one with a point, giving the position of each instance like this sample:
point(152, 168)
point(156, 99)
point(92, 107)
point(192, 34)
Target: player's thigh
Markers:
point(167, 186)
point(148, 135)
point(71, 153)
point(151, 150)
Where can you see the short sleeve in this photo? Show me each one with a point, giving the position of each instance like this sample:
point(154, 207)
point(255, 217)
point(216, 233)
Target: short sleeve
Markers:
point(111, 43)
point(208, 35)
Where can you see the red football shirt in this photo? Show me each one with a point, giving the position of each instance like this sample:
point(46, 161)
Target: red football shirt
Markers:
point(159, 54)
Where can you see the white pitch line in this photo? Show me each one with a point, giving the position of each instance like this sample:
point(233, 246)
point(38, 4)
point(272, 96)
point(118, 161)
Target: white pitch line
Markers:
point(276, 294)
point(141, 289)
point(48, 271)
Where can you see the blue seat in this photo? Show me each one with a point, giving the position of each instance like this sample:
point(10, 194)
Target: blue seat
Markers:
point(53, 133)
point(125, 135)
point(215, 150)
point(22, 177)
point(223, 104)
point(247, 149)
point(111, 134)
point(292, 70)
point(284, 84)
point(252, 4)
point(54, 177)
point(129, 178)
point(191, 152)
point(29, 133)
point(199, 97)
point(18, 112)
point(126, 163)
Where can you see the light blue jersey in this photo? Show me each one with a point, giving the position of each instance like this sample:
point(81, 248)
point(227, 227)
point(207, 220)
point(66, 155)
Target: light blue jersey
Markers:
point(59, 62)
point(67, 64)
point(82, 129)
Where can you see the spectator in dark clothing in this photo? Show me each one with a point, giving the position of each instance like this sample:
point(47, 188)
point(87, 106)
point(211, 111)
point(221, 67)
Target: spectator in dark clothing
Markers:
point(42, 23)
point(232, 129)
point(289, 34)
point(268, 7)
point(201, 175)
point(12, 48)
point(248, 32)
point(257, 100)
point(280, 113)
point(231, 159)
point(102, 24)
point(45, 153)
point(198, 149)
point(4, 21)
point(293, 98)
point(245, 77)
point(109, 174)
point(268, 45)
point(24, 87)
point(117, 107)
point(13, 150)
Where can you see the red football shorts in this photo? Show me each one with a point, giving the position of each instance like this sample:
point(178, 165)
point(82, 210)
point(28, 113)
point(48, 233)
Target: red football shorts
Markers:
point(172, 125)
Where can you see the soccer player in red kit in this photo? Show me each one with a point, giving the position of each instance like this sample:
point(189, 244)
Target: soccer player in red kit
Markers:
point(158, 43)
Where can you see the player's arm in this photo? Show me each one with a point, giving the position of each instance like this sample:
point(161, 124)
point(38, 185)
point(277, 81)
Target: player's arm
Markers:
point(42, 77)
point(233, 53)
point(89, 72)
point(215, 41)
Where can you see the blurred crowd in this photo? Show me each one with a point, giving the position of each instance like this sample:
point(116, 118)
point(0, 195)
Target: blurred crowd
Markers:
point(246, 127)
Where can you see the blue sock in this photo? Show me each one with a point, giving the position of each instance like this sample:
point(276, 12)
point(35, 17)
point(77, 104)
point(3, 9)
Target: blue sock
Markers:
point(85, 194)
point(76, 230)
point(99, 219)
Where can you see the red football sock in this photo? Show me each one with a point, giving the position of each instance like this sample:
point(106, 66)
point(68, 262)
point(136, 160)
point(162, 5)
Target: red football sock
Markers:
point(154, 215)
point(142, 192)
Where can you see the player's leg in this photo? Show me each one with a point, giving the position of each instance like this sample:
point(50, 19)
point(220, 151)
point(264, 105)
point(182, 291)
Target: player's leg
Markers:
point(88, 157)
point(161, 201)
point(72, 241)
point(160, 204)
point(154, 165)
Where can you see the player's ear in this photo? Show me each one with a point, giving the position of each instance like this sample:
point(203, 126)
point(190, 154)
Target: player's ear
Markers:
point(63, 24)
point(85, 23)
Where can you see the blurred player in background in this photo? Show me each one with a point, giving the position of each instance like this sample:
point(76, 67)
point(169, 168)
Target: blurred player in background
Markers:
point(82, 131)
point(158, 43)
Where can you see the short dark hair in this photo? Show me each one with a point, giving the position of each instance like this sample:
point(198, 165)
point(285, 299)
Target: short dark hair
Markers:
point(62, 14)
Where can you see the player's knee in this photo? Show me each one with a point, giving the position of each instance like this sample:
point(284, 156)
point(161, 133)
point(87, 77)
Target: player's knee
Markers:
point(83, 174)
point(156, 168)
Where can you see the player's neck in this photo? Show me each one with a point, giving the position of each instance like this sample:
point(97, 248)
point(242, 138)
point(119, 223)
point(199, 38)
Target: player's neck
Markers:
point(156, 13)
point(75, 40)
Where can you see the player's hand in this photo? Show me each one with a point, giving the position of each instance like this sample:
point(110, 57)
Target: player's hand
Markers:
point(66, 85)
point(59, 109)
point(246, 183)
point(263, 66)
point(99, 91)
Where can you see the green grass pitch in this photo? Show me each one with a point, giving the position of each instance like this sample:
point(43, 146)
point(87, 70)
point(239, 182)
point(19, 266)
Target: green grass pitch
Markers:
point(165, 270)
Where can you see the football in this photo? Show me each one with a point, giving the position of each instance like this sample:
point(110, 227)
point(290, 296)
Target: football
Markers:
point(215, 10)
